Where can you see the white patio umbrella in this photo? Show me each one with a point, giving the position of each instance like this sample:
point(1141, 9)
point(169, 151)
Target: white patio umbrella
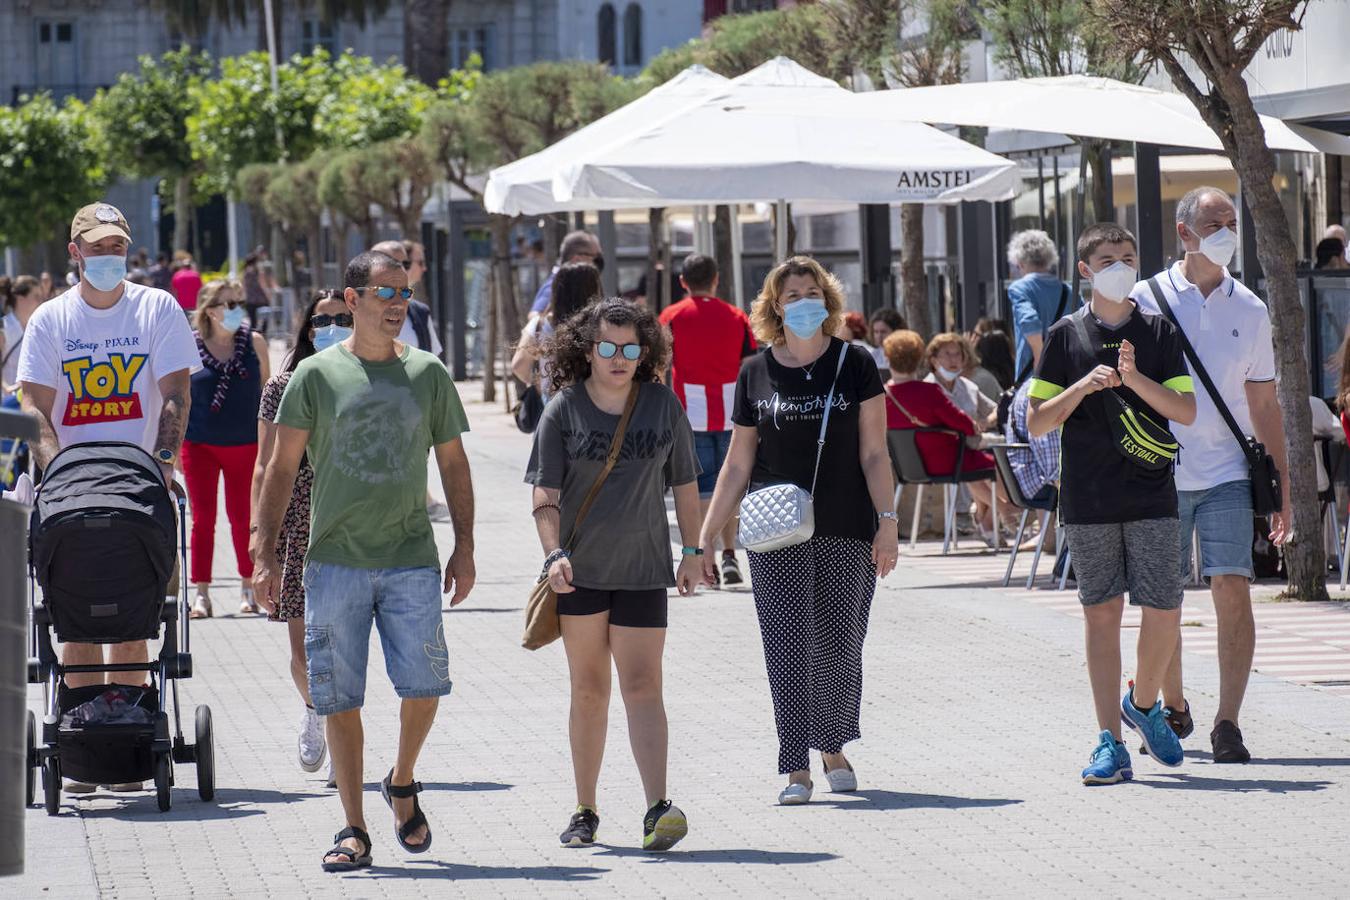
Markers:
point(781, 132)
point(525, 187)
point(1083, 106)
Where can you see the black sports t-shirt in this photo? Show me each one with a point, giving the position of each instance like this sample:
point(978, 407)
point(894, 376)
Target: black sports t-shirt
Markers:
point(786, 407)
point(1097, 484)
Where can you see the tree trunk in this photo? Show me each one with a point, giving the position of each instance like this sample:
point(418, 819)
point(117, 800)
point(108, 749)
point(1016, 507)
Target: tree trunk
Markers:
point(913, 281)
point(1304, 554)
point(426, 39)
point(1103, 209)
point(509, 320)
point(182, 199)
point(722, 244)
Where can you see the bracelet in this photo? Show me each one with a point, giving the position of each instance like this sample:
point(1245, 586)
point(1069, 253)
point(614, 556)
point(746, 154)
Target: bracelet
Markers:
point(546, 506)
point(691, 551)
point(888, 515)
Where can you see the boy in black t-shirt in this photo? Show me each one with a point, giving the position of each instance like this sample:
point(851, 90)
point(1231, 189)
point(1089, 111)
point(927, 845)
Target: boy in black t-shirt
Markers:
point(1120, 515)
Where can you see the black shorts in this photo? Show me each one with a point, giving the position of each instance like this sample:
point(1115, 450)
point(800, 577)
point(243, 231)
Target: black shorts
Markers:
point(633, 609)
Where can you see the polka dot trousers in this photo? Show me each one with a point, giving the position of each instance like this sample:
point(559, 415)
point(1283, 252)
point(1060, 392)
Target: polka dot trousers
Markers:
point(813, 600)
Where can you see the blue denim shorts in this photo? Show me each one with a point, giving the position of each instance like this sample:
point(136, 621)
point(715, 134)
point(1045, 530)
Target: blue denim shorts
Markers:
point(1222, 517)
point(405, 604)
point(710, 449)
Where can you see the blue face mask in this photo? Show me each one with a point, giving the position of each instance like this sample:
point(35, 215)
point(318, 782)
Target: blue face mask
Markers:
point(805, 316)
point(329, 335)
point(105, 272)
point(232, 319)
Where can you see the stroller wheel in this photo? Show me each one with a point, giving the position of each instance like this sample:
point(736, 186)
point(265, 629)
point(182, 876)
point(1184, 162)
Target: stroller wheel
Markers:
point(51, 784)
point(163, 779)
point(206, 755)
point(31, 763)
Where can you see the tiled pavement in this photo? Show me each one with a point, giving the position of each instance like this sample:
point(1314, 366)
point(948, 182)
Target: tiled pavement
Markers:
point(976, 721)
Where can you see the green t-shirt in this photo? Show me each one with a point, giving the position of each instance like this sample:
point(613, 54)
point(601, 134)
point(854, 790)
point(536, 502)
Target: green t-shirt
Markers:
point(370, 428)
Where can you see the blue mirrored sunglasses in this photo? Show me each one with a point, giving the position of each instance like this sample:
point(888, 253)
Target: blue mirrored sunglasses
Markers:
point(607, 349)
point(387, 293)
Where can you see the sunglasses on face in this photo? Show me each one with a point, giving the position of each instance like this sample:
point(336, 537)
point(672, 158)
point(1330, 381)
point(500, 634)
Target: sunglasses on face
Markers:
point(607, 350)
point(387, 293)
point(323, 320)
point(406, 264)
point(231, 304)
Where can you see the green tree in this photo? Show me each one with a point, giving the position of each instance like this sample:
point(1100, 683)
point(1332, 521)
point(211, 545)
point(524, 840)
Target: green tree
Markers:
point(143, 116)
point(345, 186)
point(736, 44)
point(51, 164)
point(1217, 40)
point(291, 198)
point(370, 103)
point(401, 173)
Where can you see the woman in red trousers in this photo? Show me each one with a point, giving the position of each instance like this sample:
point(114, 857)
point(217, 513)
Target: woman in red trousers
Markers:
point(222, 432)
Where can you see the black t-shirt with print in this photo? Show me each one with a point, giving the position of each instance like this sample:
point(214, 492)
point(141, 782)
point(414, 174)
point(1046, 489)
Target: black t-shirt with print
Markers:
point(1097, 484)
point(786, 406)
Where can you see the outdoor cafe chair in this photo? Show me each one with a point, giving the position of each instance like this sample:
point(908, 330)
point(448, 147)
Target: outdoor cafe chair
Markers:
point(1026, 504)
point(909, 468)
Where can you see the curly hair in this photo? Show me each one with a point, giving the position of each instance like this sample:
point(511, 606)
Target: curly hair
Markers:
point(568, 354)
point(765, 319)
point(1033, 251)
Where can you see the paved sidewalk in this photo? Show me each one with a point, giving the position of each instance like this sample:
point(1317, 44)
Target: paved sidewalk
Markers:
point(977, 720)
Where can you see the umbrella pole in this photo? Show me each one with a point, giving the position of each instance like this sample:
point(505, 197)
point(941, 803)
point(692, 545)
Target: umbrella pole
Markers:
point(780, 210)
point(738, 282)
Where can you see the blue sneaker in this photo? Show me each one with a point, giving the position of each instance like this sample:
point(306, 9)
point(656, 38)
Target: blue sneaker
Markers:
point(1160, 740)
point(1110, 762)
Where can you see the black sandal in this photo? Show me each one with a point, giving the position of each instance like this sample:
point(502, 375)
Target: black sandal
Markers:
point(401, 832)
point(354, 860)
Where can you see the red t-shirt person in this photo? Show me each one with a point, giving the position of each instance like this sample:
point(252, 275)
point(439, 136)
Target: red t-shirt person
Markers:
point(187, 284)
point(710, 338)
point(927, 406)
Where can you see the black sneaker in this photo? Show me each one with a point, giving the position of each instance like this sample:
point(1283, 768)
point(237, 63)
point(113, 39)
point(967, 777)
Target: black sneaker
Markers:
point(581, 829)
point(731, 571)
point(1226, 739)
point(663, 826)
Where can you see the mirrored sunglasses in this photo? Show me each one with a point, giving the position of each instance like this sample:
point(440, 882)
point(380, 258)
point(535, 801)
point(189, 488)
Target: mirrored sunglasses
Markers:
point(387, 293)
point(607, 349)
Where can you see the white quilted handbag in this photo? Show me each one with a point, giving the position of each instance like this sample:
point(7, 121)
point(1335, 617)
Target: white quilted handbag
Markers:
point(781, 515)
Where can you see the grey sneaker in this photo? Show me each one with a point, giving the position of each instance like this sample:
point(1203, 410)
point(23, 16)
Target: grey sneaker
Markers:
point(731, 571)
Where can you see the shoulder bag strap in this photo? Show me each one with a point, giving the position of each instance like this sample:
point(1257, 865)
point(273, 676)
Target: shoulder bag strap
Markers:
point(1199, 368)
point(615, 445)
point(825, 419)
point(1059, 314)
point(909, 415)
point(1085, 341)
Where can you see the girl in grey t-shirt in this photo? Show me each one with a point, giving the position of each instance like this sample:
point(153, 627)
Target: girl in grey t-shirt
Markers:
point(612, 576)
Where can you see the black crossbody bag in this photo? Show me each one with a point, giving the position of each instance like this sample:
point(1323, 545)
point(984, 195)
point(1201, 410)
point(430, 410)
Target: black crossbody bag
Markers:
point(1267, 496)
point(1005, 399)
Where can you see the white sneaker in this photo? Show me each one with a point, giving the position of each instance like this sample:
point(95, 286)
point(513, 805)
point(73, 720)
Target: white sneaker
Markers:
point(795, 794)
point(312, 745)
point(331, 781)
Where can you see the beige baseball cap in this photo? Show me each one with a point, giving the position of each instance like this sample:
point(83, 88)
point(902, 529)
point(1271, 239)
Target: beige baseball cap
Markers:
point(97, 221)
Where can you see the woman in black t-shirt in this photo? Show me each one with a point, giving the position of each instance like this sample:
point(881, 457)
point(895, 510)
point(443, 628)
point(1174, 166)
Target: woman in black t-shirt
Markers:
point(812, 598)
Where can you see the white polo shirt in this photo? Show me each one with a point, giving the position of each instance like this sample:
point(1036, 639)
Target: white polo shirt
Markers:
point(1230, 330)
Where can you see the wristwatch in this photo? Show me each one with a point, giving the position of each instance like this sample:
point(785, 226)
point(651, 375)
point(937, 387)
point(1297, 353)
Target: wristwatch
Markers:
point(165, 456)
point(888, 515)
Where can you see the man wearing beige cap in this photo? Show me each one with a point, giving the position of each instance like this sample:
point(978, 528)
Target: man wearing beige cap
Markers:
point(107, 360)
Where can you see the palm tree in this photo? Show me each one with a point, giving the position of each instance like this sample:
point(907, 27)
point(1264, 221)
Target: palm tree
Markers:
point(426, 39)
point(192, 18)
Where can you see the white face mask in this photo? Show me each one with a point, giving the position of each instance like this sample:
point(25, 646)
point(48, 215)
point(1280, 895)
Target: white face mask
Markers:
point(948, 374)
point(1115, 281)
point(1220, 246)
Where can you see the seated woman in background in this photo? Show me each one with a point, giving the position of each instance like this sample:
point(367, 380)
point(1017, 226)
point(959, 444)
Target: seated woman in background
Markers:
point(949, 356)
point(911, 403)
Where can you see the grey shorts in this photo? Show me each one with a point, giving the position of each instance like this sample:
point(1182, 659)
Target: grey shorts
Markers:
point(1141, 558)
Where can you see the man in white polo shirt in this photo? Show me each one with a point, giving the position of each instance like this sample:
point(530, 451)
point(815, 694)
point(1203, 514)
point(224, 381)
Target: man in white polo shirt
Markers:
point(1229, 327)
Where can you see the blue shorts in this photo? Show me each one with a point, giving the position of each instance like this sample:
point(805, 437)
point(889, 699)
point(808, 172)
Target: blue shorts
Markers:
point(710, 448)
point(1222, 517)
point(405, 604)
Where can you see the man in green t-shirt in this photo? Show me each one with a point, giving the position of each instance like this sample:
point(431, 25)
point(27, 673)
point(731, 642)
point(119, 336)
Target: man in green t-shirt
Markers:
point(367, 411)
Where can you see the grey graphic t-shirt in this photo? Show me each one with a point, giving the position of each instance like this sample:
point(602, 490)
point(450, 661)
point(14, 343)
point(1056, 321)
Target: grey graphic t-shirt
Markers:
point(370, 427)
point(624, 544)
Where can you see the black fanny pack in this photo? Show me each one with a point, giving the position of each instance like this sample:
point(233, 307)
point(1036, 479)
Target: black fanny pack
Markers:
point(1135, 436)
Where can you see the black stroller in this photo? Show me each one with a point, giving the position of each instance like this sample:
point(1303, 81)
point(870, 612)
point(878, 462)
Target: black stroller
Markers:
point(101, 544)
